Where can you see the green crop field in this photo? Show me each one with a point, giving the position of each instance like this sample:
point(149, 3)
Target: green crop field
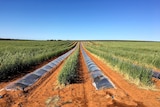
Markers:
point(134, 59)
point(16, 56)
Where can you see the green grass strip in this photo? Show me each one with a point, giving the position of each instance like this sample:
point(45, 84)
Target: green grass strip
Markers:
point(69, 72)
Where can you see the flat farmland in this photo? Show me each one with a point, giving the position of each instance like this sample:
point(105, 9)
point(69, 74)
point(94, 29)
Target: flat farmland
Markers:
point(80, 74)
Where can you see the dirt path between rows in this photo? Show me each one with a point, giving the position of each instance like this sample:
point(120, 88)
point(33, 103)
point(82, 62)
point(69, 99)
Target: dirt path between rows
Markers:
point(141, 97)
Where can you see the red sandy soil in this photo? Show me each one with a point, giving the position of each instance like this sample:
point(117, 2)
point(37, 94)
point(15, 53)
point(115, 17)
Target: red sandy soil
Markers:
point(47, 92)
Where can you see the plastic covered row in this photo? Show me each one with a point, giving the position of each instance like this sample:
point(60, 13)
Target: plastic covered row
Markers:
point(31, 78)
point(156, 74)
point(100, 81)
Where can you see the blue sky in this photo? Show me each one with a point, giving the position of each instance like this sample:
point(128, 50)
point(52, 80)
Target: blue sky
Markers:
point(80, 19)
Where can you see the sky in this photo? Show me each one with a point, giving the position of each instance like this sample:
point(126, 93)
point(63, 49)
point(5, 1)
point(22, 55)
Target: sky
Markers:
point(80, 19)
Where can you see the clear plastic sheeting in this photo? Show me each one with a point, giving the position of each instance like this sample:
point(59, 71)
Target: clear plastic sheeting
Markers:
point(103, 83)
point(100, 81)
point(40, 72)
point(156, 74)
point(31, 78)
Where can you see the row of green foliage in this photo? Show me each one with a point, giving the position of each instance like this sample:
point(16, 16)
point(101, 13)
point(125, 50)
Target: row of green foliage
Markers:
point(127, 68)
point(18, 56)
point(69, 72)
point(142, 53)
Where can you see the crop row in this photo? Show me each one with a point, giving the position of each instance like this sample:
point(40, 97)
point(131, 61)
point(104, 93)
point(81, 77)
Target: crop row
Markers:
point(136, 73)
point(17, 56)
point(69, 72)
